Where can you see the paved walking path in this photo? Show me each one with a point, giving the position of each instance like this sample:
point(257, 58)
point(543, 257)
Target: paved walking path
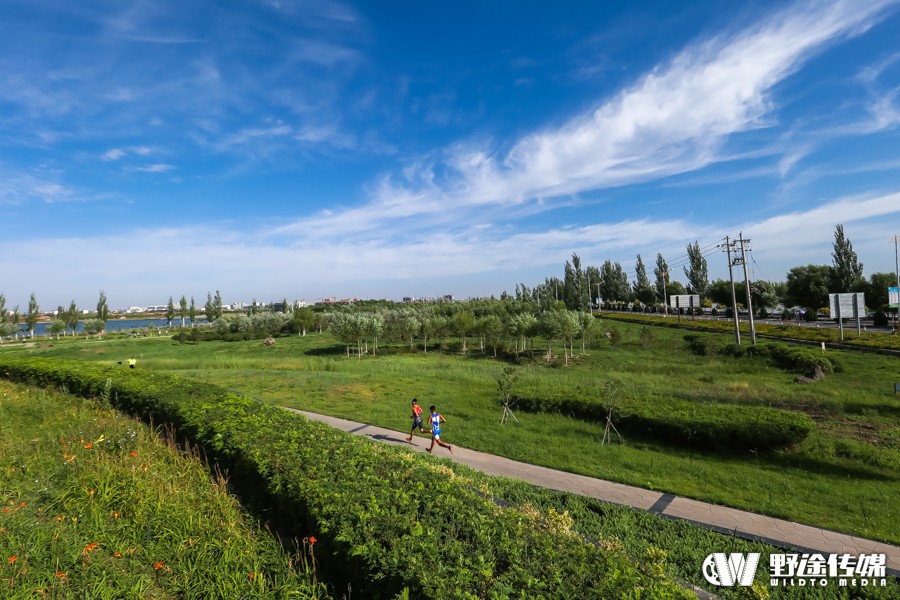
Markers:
point(777, 532)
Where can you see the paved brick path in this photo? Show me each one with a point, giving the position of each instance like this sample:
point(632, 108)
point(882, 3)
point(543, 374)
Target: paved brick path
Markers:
point(778, 532)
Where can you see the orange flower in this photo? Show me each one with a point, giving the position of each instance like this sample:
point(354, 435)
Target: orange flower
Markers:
point(252, 575)
point(117, 554)
point(60, 574)
point(115, 514)
point(133, 453)
point(91, 491)
point(21, 505)
point(5, 509)
point(12, 559)
point(90, 547)
point(312, 540)
point(58, 518)
point(89, 445)
point(158, 565)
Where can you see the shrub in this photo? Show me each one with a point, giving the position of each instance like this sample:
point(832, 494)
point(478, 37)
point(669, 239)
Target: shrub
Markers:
point(705, 426)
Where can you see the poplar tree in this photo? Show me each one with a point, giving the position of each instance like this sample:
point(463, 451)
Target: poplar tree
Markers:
point(102, 310)
point(698, 274)
point(846, 270)
point(662, 274)
point(71, 317)
point(31, 317)
point(217, 305)
point(643, 289)
point(182, 309)
point(170, 312)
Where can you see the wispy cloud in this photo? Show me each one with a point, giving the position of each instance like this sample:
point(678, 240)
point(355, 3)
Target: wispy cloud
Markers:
point(230, 261)
point(156, 168)
point(673, 120)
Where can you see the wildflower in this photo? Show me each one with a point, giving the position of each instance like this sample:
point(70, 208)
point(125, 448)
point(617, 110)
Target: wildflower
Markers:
point(312, 540)
point(158, 565)
point(12, 559)
point(60, 574)
point(252, 575)
point(89, 445)
point(133, 453)
point(91, 491)
point(5, 509)
point(115, 514)
point(21, 505)
point(117, 554)
point(90, 547)
point(58, 518)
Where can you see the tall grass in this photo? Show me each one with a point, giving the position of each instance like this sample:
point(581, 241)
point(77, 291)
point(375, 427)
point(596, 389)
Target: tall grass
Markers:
point(96, 505)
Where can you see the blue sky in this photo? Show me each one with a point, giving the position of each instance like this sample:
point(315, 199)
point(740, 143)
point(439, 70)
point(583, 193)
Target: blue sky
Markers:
point(279, 148)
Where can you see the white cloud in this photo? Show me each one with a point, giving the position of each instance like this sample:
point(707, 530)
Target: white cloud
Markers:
point(156, 168)
point(243, 260)
point(114, 154)
point(673, 120)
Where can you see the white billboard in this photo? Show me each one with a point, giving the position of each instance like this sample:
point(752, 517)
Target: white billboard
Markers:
point(684, 301)
point(847, 306)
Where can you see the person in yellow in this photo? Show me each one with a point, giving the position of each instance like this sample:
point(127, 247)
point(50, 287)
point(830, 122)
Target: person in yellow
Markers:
point(132, 362)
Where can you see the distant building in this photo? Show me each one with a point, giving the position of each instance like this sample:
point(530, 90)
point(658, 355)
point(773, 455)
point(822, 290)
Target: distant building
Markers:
point(447, 297)
point(409, 298)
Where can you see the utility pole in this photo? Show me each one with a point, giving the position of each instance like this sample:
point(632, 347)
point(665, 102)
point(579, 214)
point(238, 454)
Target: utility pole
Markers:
point(737, 326)
point(747, 284)
point(897, 273)
point(665, 275)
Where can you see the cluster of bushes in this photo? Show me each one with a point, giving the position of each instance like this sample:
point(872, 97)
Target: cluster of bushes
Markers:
point(705, 426)
point(238, 328)
point(399, 523)
point(801, 359)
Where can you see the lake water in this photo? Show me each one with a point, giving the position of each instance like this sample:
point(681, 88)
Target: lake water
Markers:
point(117, 325)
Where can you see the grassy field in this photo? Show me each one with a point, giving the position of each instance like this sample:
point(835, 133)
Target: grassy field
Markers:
point(97, 505)
point(844, 476)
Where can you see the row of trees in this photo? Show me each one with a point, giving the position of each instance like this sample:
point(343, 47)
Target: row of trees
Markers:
point(807, 286)
point(504, 324)
point(66, 321)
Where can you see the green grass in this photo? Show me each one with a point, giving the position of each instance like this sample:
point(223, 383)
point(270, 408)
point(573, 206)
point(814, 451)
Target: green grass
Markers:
point(844, 476)
point(97, 505)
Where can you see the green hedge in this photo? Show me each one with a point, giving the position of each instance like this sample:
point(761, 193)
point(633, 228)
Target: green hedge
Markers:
point(396, 520)
point(801, 359)
point(704, 426)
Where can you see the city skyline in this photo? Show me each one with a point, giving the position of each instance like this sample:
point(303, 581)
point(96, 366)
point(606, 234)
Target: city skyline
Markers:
point(281, 149)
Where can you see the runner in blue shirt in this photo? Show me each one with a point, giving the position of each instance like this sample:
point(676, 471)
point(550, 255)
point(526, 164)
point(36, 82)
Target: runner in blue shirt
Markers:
point(436, 420)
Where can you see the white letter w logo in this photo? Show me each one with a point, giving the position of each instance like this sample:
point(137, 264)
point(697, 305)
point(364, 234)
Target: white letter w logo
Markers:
point(730, 569)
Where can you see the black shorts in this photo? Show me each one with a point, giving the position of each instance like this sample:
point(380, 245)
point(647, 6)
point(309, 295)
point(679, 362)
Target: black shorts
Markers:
point(417, 422)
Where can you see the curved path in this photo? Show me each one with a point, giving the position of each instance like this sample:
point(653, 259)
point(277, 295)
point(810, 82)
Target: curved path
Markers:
point(778, 532)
